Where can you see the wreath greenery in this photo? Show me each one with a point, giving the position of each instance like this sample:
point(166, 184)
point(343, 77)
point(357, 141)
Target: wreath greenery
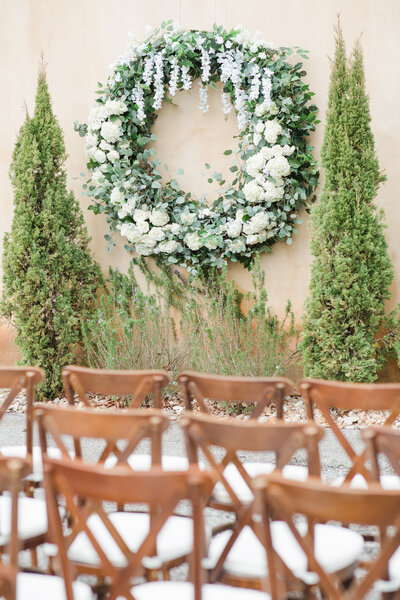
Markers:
point(274, 171)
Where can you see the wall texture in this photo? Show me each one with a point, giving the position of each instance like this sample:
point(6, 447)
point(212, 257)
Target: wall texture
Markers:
point(80, 38)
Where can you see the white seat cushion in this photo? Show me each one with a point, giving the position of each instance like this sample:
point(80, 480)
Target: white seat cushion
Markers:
point(20, 452)
point(142, 462)
point(31, 586)
point(335, 547)
point(174, 540)
point(240, 487)
point(388, 482)
point(32, 518)
point(394, 569)
point(182, 590)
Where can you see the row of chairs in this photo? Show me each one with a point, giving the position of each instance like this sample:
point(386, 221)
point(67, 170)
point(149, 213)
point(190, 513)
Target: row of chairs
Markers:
point(230, 486)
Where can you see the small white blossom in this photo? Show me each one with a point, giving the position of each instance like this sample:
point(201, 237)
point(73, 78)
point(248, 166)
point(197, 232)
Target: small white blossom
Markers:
point(185, 78)
point(111, 131)
point(140, 215)
point(116, 196)
point(193, 241)
point(159, 218)
point(156, 233)
point(169, 247)
point(234, 228)
point(187, 218)
point(272, 129)
point(236, 246)
point(99, 156)
point(203, 95)
point(112, 156)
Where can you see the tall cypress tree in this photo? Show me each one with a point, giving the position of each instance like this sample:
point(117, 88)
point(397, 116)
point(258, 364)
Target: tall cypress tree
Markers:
point(50, 277)
point(351, 271)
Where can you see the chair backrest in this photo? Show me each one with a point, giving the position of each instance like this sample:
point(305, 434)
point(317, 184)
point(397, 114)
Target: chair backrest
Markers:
point(382, 440)
point(17, 379)
point(257, 391)
point(318, 502)
point(12, 472)
point(138, 384)
point(350, 396)
point(203, 433)
point(125, 426)
point(85, 488)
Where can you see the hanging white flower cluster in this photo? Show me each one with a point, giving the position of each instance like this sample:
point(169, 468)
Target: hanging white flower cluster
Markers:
point(274, 171)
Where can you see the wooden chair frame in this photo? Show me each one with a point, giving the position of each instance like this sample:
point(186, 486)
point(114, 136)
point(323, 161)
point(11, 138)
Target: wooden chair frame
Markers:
point(112, 426)
point(139, 384)
point(260, 391)
point(382, 440)
point(284, 439)
point(161, 490)
point(321, 503)
point(12, 473)
point(18, 379)
point(350, 396)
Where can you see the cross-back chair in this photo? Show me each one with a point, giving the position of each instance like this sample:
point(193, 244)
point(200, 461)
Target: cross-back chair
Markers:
point(138, 384)
point(161, 491)
point(258, 392)
point(351, 396)
point(121, 432)
point(383, 441)
point(15, 585)
point(18, 379)
point(320, 503)
point(232, 477)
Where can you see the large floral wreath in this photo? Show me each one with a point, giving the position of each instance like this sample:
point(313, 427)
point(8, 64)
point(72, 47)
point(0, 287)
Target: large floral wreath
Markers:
point(274, 172)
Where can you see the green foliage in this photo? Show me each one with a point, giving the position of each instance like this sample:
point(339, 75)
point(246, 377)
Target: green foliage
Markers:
point(174, 325)
point(352, 271)
point(49, 277)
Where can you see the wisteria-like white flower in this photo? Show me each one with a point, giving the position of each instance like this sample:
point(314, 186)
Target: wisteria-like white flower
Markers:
point(203, 96)
point(158, 80)
point(255, 82)
point(137, 98)
point(205, 65)
point(148, 70)
point(173, 82)
point(226, 103)
point(185, 78)
point(240, 106)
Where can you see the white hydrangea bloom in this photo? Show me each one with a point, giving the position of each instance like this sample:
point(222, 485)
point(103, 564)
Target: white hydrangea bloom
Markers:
point(253, 192)
point(267, 153)
point(259, 128)
point(187, 218)
point(174, 228)
point(257, 139)
point(142, 226)
point(271, 131)
point(105, 146)
point(116, 196)
point(140, 215)
point(252, 239)
point(96, 117)
point(273, 193)
point(278, 167)
point(131, 233)
point(99, 156)
point(193, 241)
point(112, 156)
point(115, 107)
point(236, 246)
point(288, 150)
point(254, 164)
point(159, 218)
point(97, 178)
point(266, 107)
point(156, 233)
point(91, 139)
point(211, 242)
point(112, 131)
point(257, 223)
point(234, 228)
point(144, 249)
point(169, 246)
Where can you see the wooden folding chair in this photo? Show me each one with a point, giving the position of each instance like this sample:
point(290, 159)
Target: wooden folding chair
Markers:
point(232, 478)
point(257, 392)
point(18, 379)
point(120, 433)
point(350, 396)
point(160, 491)
point(383, 441)
point(14, 584)
point(320, 503)
point(136, 384)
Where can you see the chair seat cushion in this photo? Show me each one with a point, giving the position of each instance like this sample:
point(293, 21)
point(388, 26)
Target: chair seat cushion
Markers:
point(394, 569)
point(142, 462)
point(32, 586)
point(174, 540)
point(182, 590)
point(336, 548)
point(32, 518)
point(388, 482)
point(240, 487)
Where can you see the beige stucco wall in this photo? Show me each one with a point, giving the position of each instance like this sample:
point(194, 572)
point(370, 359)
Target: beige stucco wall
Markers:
point(80, 38)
